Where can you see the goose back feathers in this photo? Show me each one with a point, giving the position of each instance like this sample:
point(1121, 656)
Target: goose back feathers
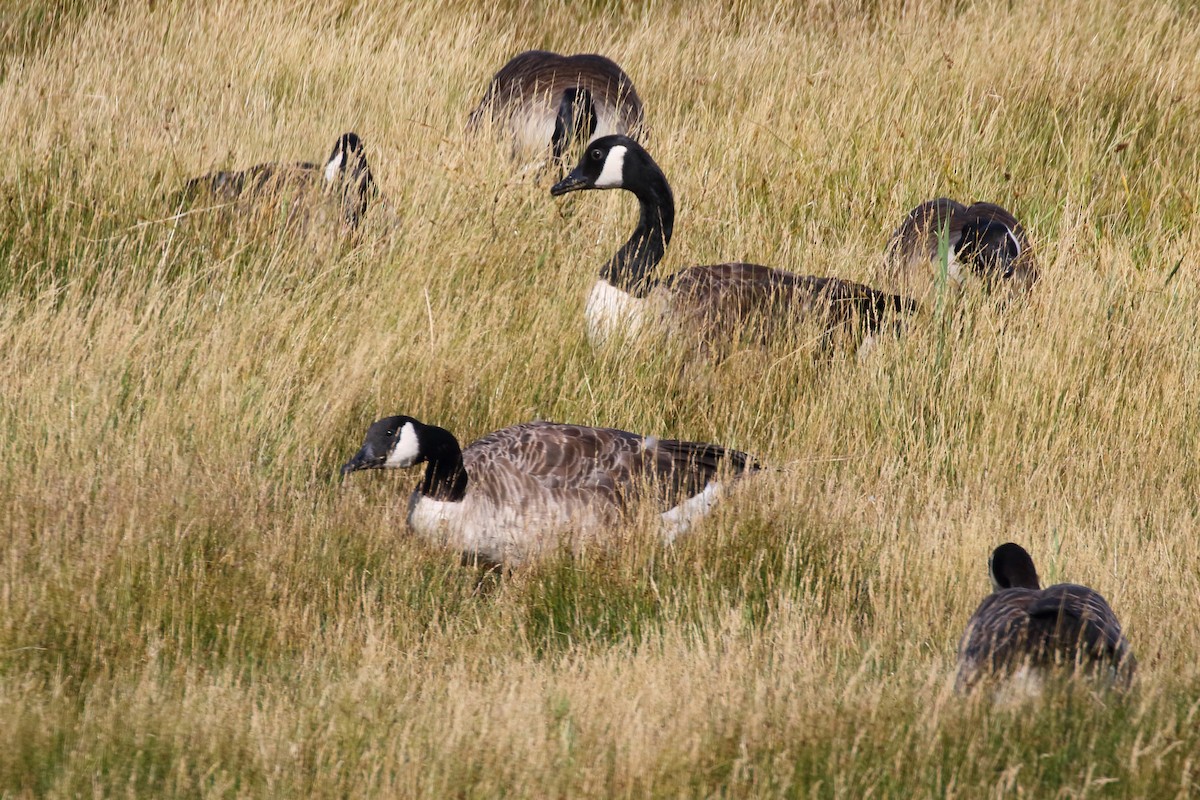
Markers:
point(984, 241)
point(343, 181)
point(520, 490)
point(1023, 625)
point(544, 98)
point(717, 299)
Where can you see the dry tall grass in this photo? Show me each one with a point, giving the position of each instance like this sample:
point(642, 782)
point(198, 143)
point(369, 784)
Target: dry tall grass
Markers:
point(191, 604)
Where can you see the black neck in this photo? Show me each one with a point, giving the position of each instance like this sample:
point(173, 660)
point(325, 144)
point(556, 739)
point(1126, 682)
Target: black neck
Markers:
point(357, 192)
point(629, 269)
point(445, 476)
point(576, 120)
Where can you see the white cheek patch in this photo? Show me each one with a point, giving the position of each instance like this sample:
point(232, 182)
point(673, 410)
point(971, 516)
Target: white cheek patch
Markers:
point(1016, 244)
point(332, 168)
point(996, 587)
point(613, 174)
point(407, 449)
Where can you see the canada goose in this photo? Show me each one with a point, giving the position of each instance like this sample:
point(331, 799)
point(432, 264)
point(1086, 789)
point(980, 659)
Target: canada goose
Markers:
point(1020, 625)
point(983, 238)
point(714, 299)
point(345, 175)
point(519, 490)
point(544, 98)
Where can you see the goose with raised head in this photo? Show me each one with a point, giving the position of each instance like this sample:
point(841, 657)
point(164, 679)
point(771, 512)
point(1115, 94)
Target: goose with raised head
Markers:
point(344, 179)
point(544, 99)
point(523, 490)
point(1022, 628)
point(983, 241)
point(715, 300)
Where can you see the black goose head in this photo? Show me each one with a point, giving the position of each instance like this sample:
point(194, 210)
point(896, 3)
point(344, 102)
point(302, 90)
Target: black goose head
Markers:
point(610, 162)
point(347, 169)
point(391, 443)
point(576, 119)
point(1012, 567)
point(990, 247)
point(348, 158)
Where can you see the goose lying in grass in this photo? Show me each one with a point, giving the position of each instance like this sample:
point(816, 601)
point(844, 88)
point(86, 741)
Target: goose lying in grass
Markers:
point(343, 184)
point(983, 241)
point(716, 301)
point(545, 100)
point(1023, 629)
point(523, 490)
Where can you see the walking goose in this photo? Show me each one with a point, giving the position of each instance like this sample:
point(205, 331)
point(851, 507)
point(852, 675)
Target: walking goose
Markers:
point(344, 176)
point(520, 490)
point(715, 300)
point(1020, 625)
point(543, 98)
point(984, 240)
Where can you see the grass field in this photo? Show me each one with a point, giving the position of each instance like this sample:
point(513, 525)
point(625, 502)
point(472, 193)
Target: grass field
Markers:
point(192, 604)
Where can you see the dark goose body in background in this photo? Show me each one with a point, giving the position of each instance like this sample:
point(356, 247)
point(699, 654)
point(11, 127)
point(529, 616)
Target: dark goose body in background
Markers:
point(985, 242)
point(546, 100)
point(1021, 625)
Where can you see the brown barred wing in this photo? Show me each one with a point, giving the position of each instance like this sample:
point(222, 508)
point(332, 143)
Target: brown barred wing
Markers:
point(737, 294)
point(1077, 624)
point(583, 470)
point(612, 90)
point(578, 469)
point(522, 76)
point(532, 84)
point(997, 636)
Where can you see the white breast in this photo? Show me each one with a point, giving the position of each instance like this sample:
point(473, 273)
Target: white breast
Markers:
point(1024, 685)
point(610, 310)
point(452, 525)
point(512, 534)
point(532, 128)
point(509, 533)
point(435, 520)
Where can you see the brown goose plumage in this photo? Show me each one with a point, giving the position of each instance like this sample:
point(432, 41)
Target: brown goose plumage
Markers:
point(1020, 624)
point(984, 241)
point(739, 295)
point(714, 302)
point(532, 92)
point(344, 180)
point(520, 490)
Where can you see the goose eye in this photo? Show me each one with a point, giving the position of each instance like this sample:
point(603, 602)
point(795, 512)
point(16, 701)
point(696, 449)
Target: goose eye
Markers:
point(391, 432)
point(597, 155)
